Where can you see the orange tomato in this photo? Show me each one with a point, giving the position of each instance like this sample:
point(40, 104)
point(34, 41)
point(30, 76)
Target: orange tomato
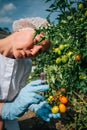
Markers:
point(63, 99)
point(55, 109)
point(62, 108)
point(78, 58)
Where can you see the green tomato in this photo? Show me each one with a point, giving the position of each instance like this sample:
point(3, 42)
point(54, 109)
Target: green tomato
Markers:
point(81, 19)
point(69, 17)
point(80, 6)
point(56, 41)
point(69, 53)
point(86, 13)
point(67, 45)
point(63, 21)
point(82, 77)
point(64, 59)
point(59, 51)
point(56, 50)
point(58, 60)
point(61, 47)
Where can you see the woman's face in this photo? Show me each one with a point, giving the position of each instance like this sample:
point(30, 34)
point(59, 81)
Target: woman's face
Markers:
point(26, 46)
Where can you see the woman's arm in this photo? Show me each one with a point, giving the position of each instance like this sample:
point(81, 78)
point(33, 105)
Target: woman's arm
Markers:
point(22, 44)
point(15, 44)
point(5, 46)
point(1, 104)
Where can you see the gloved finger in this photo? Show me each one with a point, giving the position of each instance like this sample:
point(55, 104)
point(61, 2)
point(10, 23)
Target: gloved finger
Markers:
point(55, 116)
point(36, 96)
point(35, 83)
point(47, 119)
point(40, 88)
point(33, 107)
point(43, 115)
point(42, 104)
point(46, 105)
point(34, 100)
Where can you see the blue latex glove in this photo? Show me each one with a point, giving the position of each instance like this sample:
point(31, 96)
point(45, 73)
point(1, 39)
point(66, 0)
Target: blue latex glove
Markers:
point(35, 83)
point(43, 110)
point(27, 96)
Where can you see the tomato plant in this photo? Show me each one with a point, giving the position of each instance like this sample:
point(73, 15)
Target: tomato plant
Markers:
point(65, 64)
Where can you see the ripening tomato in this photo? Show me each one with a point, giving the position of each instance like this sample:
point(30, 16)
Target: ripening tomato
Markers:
point(50, 99)
point(55, 109)
point(63, 99)
point(58, 93)
point(78, 58)
point(62, 108)
point(63, 90)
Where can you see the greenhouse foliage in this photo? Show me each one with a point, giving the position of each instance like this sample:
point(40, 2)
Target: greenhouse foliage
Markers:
point(65, 64)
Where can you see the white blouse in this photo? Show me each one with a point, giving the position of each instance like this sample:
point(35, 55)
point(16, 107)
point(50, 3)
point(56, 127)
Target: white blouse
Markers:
point(13, 76)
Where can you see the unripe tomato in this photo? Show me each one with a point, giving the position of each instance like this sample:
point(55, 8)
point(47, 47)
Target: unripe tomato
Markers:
point(55, 109)
point(82, 77)
point(81, 19)
point(56, 50)
point(59, 51)
point(64, 59)
point(58, 60)
point(86, 13)
point(61, 47)
point(69, 53)
point(80, 6)
point(63, 99)
point(51, 98)
point(67, 45)
point(56, 41)
point(62, 108)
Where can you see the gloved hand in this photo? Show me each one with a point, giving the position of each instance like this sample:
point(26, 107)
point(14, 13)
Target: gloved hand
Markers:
point(43, 110)
point(35, 83)
point(27, 96)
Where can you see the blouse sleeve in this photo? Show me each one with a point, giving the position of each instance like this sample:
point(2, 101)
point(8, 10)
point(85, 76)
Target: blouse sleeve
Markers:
point(6, 69)
point(13, 76)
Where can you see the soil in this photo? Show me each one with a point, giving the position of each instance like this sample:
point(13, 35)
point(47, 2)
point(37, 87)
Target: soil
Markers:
point(31, 122)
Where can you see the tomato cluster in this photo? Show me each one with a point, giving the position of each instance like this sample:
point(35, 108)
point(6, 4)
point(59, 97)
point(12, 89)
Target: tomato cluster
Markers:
point(59, 101)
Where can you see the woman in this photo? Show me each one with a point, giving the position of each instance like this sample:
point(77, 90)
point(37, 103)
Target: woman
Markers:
point(16, 52)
